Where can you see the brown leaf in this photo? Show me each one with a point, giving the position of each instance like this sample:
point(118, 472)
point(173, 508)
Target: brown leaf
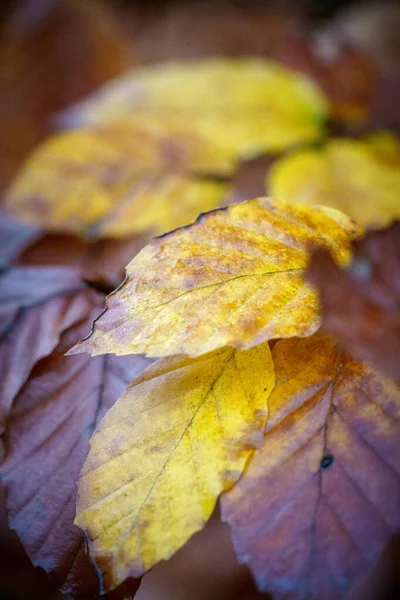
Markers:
point(14, 238)
point(52, 54)
point(361, 304)
point(36, 306)
point(107, 258)
point(344, 72)
point(320, 499)
point(46, 444)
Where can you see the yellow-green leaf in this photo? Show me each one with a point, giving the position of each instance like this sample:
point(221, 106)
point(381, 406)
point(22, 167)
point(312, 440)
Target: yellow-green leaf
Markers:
point(179, 436)
point(243, 106)
point(117, 182)
point(358, 177)
point(233, 278)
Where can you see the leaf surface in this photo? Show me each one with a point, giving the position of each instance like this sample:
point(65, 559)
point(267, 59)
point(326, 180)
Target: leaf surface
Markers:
point(320, 499)
point(179, 436)
point(233, 278)
point(117, 182)
point(241, 106)
point(361, 304)
point(359, 177)
point(47, 440)
point(36, 306)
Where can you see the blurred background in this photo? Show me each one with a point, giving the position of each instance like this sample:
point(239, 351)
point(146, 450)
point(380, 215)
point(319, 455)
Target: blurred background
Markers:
point(55, 52)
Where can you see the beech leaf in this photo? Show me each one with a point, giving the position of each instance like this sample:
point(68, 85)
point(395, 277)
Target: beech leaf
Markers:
point(179, 436)
point(320, 499)
point(117, 182)
point(361, 305)
point(233, 278)
point(47, 440)
point(359, 177)
point(36, 306)
point(242, 106)
point(14, 238)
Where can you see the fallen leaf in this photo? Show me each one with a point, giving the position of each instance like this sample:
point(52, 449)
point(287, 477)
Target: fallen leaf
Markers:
point(345, 73)
point(117, 182)
point(53, 53)
point(361, 304)
point(359, 177)
point(14, 238)
point(104, 258)
point(47, 440)
point(36, 306)
point(242, 107)
point(179, 436)
point(233, 278)
point(320, 499)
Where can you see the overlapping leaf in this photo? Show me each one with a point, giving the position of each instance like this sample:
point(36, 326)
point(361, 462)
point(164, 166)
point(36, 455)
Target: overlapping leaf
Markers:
point(117, 182)
point(179, 436)
point(240, 106)
point(36, 306)
point(46, 443)
point(361, 305)
point(320, 498)
point(359, 177)
point(233, 278)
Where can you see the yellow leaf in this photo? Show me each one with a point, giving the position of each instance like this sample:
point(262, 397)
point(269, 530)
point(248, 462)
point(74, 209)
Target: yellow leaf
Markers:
point(243, 106)
point(233, 278)
point(358, 177)
point(320, 498)
point(117, 182)
point(179, 436)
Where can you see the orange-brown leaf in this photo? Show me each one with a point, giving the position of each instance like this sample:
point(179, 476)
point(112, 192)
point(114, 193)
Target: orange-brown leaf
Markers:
point(361, 304)
point(321, 497)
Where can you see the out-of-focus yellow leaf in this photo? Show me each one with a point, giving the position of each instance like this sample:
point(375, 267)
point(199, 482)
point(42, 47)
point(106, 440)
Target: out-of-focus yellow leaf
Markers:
point(233, 278)
point(243, 106)
point(358, 177)
point(179, 436)
point(118, 181)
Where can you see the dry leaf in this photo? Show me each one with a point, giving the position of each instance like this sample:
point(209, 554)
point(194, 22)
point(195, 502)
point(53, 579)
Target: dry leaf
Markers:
point(46, 442)
point(361, 305)
point(36, 306)
point(345, 73)
point(117, 182)
point(359, 177)
point(100, 258)
point(320, 499)
point(178, 437)
point(233, 278)
point(14, 238)
point(240, 106)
